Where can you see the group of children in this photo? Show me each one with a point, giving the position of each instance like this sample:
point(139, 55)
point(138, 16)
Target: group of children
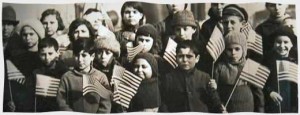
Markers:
point(92, 50)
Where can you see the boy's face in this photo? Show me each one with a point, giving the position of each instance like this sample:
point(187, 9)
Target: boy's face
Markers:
point(81, 31)
point(277, 10)
point(234, 52)
point(184, 32)
point(95, 18)
point(84, 60)
point(283, 45)
point(217, 8)
point(146, 41)
point(7, 29)
point(186, 59)
point(48, 55)
point(173, 8)
point(29, 37)
point(132, 16)
point(142, 68)
point(50, 24)
point(232, 23)
point(104, 57)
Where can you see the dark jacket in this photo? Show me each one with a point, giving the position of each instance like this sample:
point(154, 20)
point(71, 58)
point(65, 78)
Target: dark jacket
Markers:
point(43, 103)
point(70, 95)
point(288, 90)
point(188, 92)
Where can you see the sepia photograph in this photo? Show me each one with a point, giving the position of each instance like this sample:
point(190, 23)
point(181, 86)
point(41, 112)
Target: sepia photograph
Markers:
point(158, 57)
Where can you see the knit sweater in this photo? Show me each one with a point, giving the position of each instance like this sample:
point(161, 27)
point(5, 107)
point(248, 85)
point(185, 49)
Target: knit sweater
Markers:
point(246, 98)
point(70, 95)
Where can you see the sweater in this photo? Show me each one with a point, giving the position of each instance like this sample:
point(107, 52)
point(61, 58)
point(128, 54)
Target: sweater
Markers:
point(246, 98)
point(70, 95)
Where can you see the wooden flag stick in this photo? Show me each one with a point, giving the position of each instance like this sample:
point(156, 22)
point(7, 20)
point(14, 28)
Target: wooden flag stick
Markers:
point(232, 92)
point(212, 70)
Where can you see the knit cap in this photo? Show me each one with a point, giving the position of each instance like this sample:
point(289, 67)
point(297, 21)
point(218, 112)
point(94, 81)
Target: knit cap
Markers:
point(184, 18)
point(35, 24)
point(147, 30)
point(108, 41)
point(151, 60)
point(235, 37)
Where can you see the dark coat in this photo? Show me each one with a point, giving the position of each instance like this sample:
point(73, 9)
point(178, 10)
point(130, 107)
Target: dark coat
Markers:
point(188, 92)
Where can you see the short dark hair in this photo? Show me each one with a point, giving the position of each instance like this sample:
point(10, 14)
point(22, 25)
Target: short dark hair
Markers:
point(48, 42)
point(187, 44)
point(135, 5)
point(76, 23)
point(83, 44)
point(47, 12)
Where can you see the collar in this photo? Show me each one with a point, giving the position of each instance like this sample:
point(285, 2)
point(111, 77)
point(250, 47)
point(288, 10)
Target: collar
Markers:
point(78, 73)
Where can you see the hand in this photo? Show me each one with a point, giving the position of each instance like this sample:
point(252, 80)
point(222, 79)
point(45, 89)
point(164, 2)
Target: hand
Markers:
point(276, 97)
point(212, 84)
point(11, 106)
point(223, 109)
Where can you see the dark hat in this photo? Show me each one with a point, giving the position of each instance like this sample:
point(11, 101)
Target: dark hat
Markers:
point(184, 18)
point(147, 30)
point(235, 10)
point(151, 60)
point(284, 31)
point(9, 15)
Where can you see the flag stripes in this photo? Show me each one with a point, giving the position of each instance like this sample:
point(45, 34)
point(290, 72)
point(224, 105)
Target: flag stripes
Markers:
point(13, 73)
point(133, 51)
point(216, 44)
point(287, 71)
point(255, 43)
point(46, 85)
point(255, 73)
point(126, 85)
point(170, 53)
point(91, 84)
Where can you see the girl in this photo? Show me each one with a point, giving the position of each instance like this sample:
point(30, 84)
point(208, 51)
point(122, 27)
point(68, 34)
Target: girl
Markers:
point(132, 14)
point(245, 98)
point(147, 98)
point(281, 96)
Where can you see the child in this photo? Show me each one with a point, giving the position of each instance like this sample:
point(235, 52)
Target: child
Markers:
point(245, 98)
point(281, 94)
point(186, 88)
point(48, 53)
point(70, 93)
point(52, 22)
point(147, 98)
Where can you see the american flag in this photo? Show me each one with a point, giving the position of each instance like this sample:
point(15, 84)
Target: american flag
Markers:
point(46, 85)
point(255, 42)
point(287, 71)
point(91, 84)
point(170, 53)
point(133, 51)
point(126, 85)
point(13, 73)
point(255, 73)
point(216, 44)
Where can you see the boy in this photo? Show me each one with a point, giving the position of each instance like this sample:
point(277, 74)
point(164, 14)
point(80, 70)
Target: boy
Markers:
point(52, 68)
point(186, 88)
point(71, 96)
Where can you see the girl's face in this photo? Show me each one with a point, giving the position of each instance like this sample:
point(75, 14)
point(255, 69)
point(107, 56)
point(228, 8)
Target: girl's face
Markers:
point(232, 23)
point(132, 16)
point(29, 36)
point(234, 52)
point(283, 45)
point(142, 68)
point(81, 31)
point(95, 18)
point(146, 41)
point(84, 60)
point(104, 57)
point(184, 32)
point(50, 24)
